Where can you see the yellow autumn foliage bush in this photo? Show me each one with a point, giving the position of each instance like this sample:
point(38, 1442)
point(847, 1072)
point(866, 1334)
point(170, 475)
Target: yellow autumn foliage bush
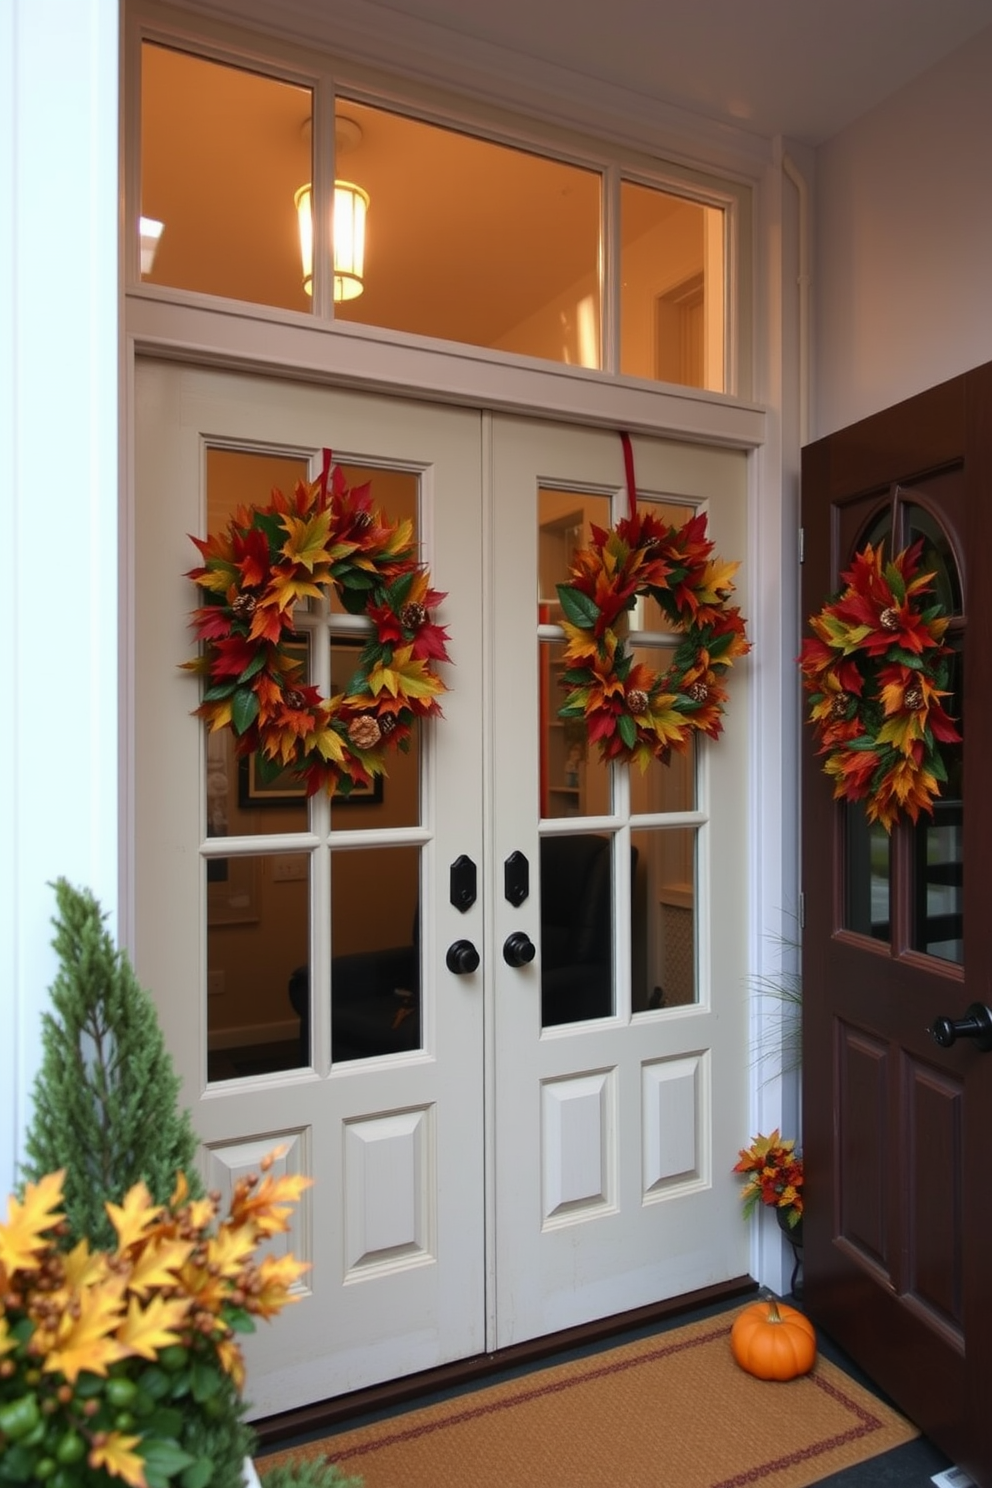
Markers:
point(103, 1353)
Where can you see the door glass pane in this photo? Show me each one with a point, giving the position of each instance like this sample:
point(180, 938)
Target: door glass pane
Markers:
point(375, 952)
point(672, 275)
point(576, 928)
point(669, 782)
point(938, 849)
point(663, 918)
point(258, 937)
point(244, 796)
point(223, 151)
point(937, 909)
point(880, 531)
point(565, 520)
point(393, 800)
point(868, 875)
point(388, 800)
point(647, 614)
point(574, 779)
point(473, 241)
point(665, 787)
point(247, 797)
point(938, 556)
point(939, 866)
point(394, 493)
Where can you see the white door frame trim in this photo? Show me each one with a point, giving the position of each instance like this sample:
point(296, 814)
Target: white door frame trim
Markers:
point(408, 366)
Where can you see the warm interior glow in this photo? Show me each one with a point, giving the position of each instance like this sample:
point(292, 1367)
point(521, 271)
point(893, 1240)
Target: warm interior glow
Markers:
point(348, 224)
point(150, 231)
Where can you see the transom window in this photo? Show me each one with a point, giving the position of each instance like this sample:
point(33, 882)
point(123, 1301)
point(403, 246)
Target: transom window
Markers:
point(426, 228)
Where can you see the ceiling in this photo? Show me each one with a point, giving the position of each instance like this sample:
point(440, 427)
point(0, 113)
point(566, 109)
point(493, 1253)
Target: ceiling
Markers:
point(801, 68)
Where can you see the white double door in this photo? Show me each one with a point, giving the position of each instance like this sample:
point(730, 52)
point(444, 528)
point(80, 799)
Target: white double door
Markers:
point(487, 1180)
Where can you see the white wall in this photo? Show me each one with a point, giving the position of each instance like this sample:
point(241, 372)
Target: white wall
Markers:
point(58, 499)
point(903, 263)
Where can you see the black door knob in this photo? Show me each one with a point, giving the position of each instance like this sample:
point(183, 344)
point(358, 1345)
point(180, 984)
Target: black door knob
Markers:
point(976, 1024)
point(518, 949)
point(462, 958)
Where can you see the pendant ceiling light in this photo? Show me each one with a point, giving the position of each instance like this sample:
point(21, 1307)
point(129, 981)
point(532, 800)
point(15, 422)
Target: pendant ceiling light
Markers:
point(347, 224)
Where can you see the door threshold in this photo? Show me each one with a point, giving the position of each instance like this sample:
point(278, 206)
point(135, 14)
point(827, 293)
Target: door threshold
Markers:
point(309, 1420)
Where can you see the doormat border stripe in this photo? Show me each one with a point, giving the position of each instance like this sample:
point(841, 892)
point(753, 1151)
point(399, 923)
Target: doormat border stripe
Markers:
point(869, 1423)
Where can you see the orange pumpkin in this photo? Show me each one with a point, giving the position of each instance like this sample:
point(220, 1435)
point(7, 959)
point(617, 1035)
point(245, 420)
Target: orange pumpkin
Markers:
point(773, 1341)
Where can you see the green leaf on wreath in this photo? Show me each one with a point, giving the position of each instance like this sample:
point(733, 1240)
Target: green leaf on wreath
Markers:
point(219, 691)
point(895, 582)
point(358, 682)
point(862, 742)
point(271, 525)
point(267, 770)
point(721, 644)
point(578, 608)
point(374, 653)
point(354, 601)
point(908, 658)
point(936, 765)
point(253, 668)
point(628, 730)
point(244, 709)
point(399, 591)
point(356, 578)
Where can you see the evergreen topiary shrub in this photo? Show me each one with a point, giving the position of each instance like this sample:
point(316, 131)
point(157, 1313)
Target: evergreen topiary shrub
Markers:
point(106, 1112)
point(306, 1472)
point(106, 1096)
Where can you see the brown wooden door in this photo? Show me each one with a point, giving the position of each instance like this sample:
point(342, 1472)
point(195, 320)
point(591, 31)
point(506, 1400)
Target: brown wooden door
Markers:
point(897, 1131)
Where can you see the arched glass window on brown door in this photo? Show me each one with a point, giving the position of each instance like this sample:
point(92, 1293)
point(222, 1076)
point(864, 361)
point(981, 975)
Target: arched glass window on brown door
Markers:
point(907, 889)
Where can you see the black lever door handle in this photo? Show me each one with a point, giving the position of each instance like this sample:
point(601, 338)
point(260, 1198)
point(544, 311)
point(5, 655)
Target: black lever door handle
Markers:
point(976, 1024)
point(462, 958)
point(518, 949)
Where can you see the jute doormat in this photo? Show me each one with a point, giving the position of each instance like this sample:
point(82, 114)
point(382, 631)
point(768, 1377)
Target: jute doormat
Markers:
point(672, 1411)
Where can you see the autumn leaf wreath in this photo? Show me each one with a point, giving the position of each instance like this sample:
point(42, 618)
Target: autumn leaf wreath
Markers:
point(326, 536)
point(631, 711)
point(876, 668)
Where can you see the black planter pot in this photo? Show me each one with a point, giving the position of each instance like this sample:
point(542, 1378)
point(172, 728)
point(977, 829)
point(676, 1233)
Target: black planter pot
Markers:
point(794, 1235)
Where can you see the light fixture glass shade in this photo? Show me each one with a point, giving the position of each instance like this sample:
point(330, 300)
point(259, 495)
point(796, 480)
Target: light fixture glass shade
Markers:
point(350, 206)
point(304, 218)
